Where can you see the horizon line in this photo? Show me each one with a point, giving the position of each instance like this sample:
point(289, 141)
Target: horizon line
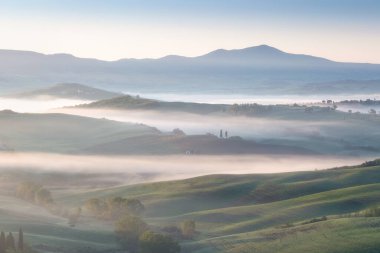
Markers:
point(183, 56)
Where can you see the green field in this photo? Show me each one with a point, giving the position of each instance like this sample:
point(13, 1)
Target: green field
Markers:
point(233, 213)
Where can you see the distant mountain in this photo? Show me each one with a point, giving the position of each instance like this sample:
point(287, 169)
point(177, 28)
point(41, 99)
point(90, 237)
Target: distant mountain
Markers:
point(68, 90)
point(261, 56)
point(254, 70)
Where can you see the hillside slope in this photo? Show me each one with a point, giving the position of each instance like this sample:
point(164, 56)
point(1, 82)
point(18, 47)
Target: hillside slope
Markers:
point(62, 133)
point(265, 213)
point(67, 91)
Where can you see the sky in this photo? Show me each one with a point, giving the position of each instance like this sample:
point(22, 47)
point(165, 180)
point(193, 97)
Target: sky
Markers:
point(341, 30)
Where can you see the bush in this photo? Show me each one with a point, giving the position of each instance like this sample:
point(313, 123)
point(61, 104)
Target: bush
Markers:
point(114, 208)
point(151, 242)
point(128, 230)
point(372, 212)
point(188, 229)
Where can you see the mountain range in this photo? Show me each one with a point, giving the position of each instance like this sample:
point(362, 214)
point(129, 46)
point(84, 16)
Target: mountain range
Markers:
point(254, 70)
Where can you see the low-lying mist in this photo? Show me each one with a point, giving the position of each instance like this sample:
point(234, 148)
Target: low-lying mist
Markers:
point(246, 127)
point(36, 105)
point(94, 171)
point(232, 98)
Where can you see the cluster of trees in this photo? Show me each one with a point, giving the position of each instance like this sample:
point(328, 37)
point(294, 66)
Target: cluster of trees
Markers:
point(372, 111)
point(135, 236)
point(372, 212)
point(114, 208)
point(34, 193)
point(186, 230)
point(8, 243)
point(37, 194)
point(132, 232)
point(250, 108)
point(363, 102)
point(221, 134)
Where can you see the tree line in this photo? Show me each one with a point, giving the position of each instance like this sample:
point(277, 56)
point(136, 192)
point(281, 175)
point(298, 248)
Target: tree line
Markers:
point(132, 232)
point(114, 208)
point(8, 243)
point(37, 194)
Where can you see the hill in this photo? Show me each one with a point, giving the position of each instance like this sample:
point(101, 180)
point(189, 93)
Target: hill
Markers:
point(318, 211)
point(64, 133)
point(68, 91)
point(314, 127)
point(128, 102)
point(254, 70)
point(192, 145)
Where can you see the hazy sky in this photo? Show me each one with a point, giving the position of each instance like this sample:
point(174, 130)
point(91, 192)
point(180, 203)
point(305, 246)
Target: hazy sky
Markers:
point(343, 30)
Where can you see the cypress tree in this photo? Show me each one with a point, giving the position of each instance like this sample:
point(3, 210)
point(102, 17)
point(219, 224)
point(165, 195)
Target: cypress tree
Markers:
point(20, 240)
point(10, 242)
point(2, 242)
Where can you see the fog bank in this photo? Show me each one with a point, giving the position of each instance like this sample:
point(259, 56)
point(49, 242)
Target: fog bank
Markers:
point(36, 105)
point(130, 170)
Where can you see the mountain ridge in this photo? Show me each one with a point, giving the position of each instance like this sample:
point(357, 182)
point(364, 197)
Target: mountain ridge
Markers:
point(254, 70)
point(262, 47)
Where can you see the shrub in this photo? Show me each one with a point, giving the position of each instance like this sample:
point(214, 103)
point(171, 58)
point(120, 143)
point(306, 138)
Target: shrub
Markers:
point(151, 242)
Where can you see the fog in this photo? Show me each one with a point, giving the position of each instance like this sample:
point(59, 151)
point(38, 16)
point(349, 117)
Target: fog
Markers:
point(232, 98)
point(246, 127)
point(36, 105)
point(131, 170)
point(358, 108)
point(47, 104)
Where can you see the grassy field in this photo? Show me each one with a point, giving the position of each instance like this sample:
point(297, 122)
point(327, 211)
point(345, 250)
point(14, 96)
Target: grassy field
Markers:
point(233, 213)
point(69, 134)
point(346, 235)
point(60, 132)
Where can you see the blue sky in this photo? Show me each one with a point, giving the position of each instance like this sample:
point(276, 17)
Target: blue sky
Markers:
point(343, 30)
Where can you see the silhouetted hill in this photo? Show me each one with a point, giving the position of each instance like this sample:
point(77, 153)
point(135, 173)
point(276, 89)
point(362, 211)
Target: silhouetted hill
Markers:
point(254, 70)
point(68, 90)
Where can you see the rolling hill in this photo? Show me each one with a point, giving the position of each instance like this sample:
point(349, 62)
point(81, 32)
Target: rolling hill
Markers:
point(62, 133)
point(254, 70)
point(128, 102)
point(317, 211)
point(67, 91)
point(314, 127)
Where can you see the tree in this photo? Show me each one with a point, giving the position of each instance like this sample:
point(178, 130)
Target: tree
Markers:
point(188, 229)
point(96, 206)
point(43, 197)
point(134, 206)
point(221, 133)
point(178, 132)
point(27, 191)
point(10, 242)
point(3, 245)
point(128, 230)
point(226, 134)
point(20, 240)
point(151, 242)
